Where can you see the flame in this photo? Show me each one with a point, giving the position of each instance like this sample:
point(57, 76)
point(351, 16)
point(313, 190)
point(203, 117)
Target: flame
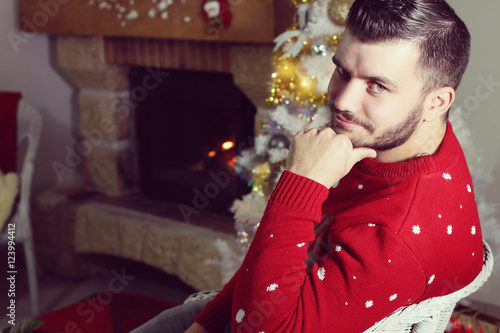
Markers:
point(227, 145)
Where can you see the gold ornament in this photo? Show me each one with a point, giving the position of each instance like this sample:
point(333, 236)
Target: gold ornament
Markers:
point(338, 10)
point(260, 179)
point(300, 2)
point(290, 82)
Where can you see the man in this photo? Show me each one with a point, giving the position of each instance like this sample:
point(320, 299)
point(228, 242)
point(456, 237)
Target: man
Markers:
point(402, 224)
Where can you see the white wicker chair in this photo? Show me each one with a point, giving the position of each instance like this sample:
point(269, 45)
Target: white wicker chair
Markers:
point(429, 316)
point(433, 315)
point(29, 123)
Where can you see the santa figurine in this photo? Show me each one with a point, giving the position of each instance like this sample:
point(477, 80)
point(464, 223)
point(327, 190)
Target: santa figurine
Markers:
point(217, 13)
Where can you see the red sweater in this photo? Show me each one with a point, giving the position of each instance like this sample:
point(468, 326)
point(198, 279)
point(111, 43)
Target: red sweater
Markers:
point(339, 260)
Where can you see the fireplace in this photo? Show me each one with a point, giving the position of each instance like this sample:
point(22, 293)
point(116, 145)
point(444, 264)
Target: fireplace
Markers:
point(189, 125)
point(108, 213)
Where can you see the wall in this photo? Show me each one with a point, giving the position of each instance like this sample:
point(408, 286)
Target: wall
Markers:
point(480, 102)
point(27, 68)
point(30, 71)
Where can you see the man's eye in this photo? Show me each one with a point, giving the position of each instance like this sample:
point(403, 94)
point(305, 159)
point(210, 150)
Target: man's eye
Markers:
point(378, 88)
point(342, 71)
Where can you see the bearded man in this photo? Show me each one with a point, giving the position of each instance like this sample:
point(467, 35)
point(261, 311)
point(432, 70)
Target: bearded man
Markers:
point(402, 224)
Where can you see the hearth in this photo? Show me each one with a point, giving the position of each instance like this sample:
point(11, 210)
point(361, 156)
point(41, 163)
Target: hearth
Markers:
point(189, 127)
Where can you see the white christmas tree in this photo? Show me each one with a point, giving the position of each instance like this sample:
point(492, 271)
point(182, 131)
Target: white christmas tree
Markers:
point(303, 66)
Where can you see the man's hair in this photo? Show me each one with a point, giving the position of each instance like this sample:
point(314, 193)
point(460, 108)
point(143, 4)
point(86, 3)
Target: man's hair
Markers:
point(441, 36)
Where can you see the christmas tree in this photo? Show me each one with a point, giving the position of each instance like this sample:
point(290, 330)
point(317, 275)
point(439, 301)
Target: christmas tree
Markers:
point(302, 68)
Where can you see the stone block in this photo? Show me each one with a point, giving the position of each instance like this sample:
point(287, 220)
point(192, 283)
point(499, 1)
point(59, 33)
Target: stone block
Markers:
point(105, 116)
point(81, 238)
point(81, 60)
point(193, 268)
point(162, 248)
point(111, 168)
point(102, 230)
point(132, 235)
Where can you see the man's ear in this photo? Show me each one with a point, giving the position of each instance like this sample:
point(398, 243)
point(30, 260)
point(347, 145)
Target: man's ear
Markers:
point(438, 103)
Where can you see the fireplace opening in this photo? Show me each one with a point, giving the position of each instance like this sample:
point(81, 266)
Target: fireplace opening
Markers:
point(190, 128)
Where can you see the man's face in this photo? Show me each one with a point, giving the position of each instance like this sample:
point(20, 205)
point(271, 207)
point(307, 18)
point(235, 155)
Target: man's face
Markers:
point(375, 94)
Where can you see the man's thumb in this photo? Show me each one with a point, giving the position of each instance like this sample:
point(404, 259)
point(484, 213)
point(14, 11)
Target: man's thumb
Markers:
point(359, 154)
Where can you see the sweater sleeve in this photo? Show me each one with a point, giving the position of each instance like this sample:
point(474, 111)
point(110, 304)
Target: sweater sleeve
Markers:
point(361, 274)
point(217, 313)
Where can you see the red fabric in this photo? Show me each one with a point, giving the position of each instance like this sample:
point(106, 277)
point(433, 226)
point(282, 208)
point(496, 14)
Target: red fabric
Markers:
point(120, 313)
point(339, 260)
point(8, 130)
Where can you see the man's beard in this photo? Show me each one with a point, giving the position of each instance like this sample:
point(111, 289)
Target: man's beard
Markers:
point(390, 139)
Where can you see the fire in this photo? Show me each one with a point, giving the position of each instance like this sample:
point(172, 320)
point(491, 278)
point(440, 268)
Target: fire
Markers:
point(227, 145)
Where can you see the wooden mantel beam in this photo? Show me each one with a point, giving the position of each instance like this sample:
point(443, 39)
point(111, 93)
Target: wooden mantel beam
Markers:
point(254, 21)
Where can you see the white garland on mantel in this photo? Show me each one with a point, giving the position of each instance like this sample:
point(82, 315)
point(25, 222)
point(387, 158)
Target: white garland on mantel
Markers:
point(159, 8)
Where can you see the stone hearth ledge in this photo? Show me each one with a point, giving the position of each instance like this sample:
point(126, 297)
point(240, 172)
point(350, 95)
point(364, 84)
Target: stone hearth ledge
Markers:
point(69, 222)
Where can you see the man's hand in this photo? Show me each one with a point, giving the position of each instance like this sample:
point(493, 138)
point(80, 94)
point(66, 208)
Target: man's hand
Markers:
point(324, 156)
point(196, 328)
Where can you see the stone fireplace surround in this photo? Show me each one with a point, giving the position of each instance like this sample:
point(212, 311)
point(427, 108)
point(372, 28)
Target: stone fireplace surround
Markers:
point(107, 214)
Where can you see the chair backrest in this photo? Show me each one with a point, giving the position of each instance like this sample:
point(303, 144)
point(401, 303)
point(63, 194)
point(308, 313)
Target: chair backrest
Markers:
point(29, 124)
point(433, 315)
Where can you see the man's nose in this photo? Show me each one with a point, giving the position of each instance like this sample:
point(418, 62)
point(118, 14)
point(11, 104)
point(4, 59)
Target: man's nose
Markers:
point(349, 96)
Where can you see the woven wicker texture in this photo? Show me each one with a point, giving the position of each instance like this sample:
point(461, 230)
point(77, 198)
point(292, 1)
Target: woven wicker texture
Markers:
point(201, 295)
point(433, 314)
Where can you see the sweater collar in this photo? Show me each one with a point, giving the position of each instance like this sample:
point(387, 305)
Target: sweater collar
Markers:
point(447, 154)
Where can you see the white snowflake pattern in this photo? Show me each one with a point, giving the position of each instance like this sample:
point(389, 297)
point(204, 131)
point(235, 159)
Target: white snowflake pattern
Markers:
point(272, 235)
point(389, 261)
point(346, 303)
point(431, 279)
point(301, 245)
point(449, 230)
point(369, 304)
point(321, 273)
point(354, 277)
point(371, 225)
point(416, 229)
point(393, 297)
point(360, 186)
point(473, 254)
point(461, 207)
point(447, 176)
point(473, 230)
point(469, 189)
point(240, 315)
point(272, 287)
point(440, 216)
point(338, 248)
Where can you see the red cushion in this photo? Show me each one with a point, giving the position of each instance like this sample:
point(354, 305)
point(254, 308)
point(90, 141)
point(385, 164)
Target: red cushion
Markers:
point(8, 130)
point(104, 312)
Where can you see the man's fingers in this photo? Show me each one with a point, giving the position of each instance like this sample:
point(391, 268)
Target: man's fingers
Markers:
point(359, 154)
